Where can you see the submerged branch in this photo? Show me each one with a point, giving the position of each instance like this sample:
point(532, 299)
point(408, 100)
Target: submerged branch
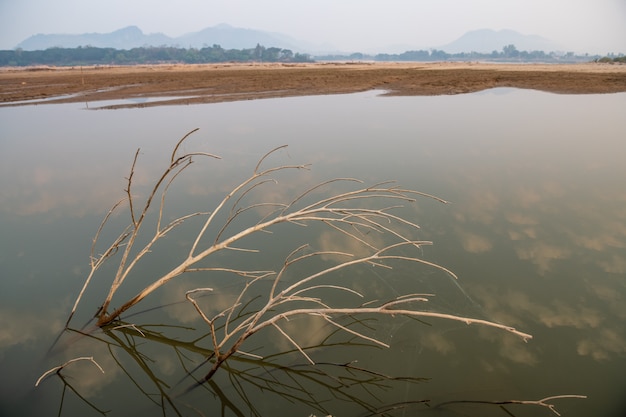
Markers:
point(365, 216)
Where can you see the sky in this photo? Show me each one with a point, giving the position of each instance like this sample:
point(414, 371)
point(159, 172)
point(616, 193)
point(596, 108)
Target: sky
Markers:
point(594, 26)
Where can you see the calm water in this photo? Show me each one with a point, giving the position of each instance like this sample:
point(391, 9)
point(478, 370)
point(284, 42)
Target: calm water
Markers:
point(536, 232)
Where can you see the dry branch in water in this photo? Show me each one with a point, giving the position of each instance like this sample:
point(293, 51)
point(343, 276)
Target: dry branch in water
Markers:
point(352, 214)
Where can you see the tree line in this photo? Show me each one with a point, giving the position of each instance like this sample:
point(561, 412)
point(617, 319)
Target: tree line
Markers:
point(612, 59)
point(509, 53)
point(89, 55)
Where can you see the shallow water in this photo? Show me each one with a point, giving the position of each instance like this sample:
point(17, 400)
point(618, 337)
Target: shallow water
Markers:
point(535, 231)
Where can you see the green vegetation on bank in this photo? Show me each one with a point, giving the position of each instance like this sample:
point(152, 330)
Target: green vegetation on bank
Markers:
point(88, 55)
point(620, 59)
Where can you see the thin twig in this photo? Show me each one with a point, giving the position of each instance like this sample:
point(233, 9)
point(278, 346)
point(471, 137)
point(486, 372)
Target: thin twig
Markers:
point(60, 367)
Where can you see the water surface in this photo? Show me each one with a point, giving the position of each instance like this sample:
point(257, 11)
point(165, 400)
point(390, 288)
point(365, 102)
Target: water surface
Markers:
point(535, 231)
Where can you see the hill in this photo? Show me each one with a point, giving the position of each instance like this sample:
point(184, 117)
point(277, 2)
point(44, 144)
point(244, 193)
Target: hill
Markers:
point(487, 40)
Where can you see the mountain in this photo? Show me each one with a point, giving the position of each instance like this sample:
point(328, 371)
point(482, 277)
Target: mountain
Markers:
point(487, 40)
point(228, 37)
point(126, 38)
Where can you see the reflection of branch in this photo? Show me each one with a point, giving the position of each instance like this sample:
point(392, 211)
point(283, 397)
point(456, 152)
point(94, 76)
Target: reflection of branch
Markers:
point(542, 402)
point(131, 349)
point(85, 400)
point(345, 382)
point(226, 403)
point(404, 405)
point(290, 382)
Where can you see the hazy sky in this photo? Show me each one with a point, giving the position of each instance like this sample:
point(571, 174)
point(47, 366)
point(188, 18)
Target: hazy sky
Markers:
point(595, 26)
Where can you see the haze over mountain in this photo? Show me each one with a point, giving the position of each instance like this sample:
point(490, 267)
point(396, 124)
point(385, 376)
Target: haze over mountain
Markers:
point(487, 40)
point(229, 37)
point(226, 36)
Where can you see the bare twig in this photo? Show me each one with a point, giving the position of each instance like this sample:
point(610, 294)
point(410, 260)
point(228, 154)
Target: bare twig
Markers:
point(96, 262)
point(57, 369)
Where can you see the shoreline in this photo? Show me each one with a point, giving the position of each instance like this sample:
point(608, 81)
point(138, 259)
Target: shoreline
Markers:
point(178, 84)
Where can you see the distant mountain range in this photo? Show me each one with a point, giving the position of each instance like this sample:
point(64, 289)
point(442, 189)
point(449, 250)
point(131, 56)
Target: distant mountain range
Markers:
point(229, 37)
point(226, 36)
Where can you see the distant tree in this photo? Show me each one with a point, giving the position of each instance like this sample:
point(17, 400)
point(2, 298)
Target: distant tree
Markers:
point(302, 58)
point(286, 54)
point(510, 51)
point(258, 52)
point(437, 55)
point(420, 55)
point(271, 54)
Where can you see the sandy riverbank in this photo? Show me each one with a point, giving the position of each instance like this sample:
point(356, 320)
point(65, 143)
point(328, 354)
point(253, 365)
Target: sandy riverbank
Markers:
point(209, 83)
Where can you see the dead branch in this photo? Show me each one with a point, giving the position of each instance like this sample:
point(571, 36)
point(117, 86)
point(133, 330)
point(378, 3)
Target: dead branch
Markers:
point(353, 214)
